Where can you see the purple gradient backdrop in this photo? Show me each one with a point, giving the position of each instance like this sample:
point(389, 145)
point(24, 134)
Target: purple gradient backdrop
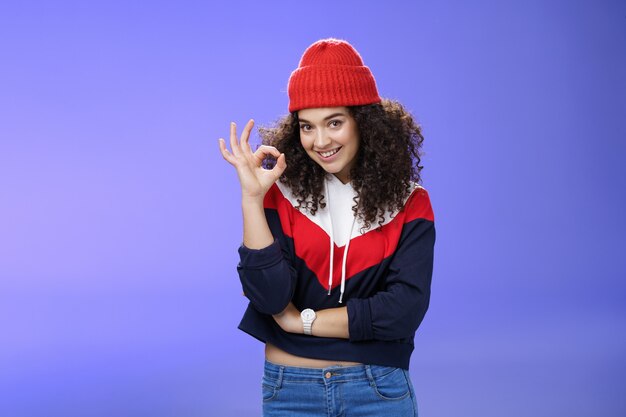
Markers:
point(120, 221)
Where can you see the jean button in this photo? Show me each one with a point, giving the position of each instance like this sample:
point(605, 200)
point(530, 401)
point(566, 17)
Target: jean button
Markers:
point(327, 375)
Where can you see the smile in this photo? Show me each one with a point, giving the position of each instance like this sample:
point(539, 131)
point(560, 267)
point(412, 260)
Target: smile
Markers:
point(329, 153)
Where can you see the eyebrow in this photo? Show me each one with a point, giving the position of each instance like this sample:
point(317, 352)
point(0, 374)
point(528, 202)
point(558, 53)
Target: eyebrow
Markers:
point(325, 118)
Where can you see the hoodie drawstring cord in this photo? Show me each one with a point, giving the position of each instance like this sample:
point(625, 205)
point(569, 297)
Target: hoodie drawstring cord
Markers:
point(332, 243)
point(332, 252)
point(345, 259)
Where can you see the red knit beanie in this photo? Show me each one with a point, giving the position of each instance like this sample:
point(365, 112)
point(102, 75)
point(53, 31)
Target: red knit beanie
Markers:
point(331, 73)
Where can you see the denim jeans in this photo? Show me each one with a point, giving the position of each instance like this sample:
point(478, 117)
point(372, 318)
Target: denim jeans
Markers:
point(337, 391)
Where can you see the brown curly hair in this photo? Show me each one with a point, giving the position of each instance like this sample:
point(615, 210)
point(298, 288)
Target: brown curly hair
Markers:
point(390, 144)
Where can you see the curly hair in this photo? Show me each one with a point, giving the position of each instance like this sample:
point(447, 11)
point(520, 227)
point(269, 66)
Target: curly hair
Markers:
point(388, 160)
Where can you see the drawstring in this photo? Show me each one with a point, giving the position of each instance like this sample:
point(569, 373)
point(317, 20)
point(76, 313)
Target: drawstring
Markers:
point(332, 251)
point(332, 244)
point(345, 259)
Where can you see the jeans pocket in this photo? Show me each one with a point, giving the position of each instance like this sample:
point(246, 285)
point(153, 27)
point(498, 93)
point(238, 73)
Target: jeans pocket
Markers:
point(391, 385)
point(269, 389)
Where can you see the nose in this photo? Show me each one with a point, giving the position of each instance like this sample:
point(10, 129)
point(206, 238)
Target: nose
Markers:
point(321, 139)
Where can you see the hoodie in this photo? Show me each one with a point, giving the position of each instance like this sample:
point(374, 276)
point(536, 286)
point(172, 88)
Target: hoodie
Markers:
point(382, 274)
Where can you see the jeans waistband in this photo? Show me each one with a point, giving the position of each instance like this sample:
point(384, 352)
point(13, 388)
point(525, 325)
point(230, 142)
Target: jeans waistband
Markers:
point(336, 373)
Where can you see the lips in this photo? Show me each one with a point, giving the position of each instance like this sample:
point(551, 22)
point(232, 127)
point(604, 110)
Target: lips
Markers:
point(329, 154)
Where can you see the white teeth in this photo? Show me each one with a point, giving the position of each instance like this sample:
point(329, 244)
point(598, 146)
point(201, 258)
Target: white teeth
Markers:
point(329, 153)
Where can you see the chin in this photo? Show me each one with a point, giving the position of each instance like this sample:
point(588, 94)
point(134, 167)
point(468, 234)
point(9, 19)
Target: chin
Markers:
point(332, 171)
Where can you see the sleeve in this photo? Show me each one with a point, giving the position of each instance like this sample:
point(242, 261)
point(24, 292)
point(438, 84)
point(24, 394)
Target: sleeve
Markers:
point(267, 275)
point(396, 312)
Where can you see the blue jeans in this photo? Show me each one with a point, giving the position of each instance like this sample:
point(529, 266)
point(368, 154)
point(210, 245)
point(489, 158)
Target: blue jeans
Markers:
point(337, 391)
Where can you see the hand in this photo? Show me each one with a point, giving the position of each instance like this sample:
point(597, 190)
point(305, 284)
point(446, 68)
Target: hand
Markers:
point(289, 319)
point(255, 180)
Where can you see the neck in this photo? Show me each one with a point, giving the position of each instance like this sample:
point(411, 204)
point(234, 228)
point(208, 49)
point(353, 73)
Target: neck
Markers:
point(344, 180)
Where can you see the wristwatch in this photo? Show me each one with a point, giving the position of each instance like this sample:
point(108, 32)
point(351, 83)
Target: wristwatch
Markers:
point(308, 317)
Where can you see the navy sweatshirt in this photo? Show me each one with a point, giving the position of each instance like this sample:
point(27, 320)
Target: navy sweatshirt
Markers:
point(382, 274)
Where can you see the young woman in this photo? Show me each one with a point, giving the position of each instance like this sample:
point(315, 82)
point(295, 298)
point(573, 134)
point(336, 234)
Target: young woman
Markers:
point(338, 241)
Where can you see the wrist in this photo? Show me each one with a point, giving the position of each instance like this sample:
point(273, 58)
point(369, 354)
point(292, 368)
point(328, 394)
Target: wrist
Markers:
point(252, 201)
point(293, 323)
point(289, 320)
point(308, 317)
point(297, 325)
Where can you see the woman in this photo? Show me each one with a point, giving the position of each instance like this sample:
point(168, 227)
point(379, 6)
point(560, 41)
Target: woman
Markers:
point(338, 242)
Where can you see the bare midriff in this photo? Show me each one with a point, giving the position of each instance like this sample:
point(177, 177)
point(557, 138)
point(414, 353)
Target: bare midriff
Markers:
point(280, 357)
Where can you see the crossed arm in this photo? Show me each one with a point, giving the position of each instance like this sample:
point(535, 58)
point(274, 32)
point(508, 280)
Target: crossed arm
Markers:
point(330, 322)
point(391, 314)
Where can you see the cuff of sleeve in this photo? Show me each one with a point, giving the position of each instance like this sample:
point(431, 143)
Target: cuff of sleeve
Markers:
point(260, 258)
point(359, 320)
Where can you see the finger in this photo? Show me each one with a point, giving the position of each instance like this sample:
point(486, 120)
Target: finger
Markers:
point(245, 136)
point(264, 150)
point(225, 154)
point(233, 139)
point(281, 165)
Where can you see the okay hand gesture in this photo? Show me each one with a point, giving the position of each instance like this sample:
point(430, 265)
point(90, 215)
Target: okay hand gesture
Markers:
point(255, 180)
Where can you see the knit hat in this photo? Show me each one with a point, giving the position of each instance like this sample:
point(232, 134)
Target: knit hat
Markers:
point(331, 73)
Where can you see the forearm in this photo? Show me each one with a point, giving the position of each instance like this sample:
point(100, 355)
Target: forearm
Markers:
point(256, 232)
point(331, 322)
point(266, 276)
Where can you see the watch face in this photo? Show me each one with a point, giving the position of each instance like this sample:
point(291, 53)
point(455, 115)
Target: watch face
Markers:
point(308, 314)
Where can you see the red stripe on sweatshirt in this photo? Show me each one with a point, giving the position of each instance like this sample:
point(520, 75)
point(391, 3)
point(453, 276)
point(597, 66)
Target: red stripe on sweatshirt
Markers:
point(312, 243)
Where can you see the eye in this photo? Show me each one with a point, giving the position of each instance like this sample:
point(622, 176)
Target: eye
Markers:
point(305, 127)
point(335, 123)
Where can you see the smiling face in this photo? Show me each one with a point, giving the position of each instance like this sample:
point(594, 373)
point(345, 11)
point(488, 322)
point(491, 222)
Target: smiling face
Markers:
point(330, 136)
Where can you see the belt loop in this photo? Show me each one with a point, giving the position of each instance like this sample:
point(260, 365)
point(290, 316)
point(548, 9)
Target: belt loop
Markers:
point(279, 382)
point(368, 372)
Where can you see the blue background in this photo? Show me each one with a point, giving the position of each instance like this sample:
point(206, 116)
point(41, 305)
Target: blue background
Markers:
point(119, 219)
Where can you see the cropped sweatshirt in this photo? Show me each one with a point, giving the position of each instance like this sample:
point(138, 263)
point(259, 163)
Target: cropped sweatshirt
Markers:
point(382, 274)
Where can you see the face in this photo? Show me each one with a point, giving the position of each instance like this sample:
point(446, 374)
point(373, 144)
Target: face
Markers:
point(330, 136)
